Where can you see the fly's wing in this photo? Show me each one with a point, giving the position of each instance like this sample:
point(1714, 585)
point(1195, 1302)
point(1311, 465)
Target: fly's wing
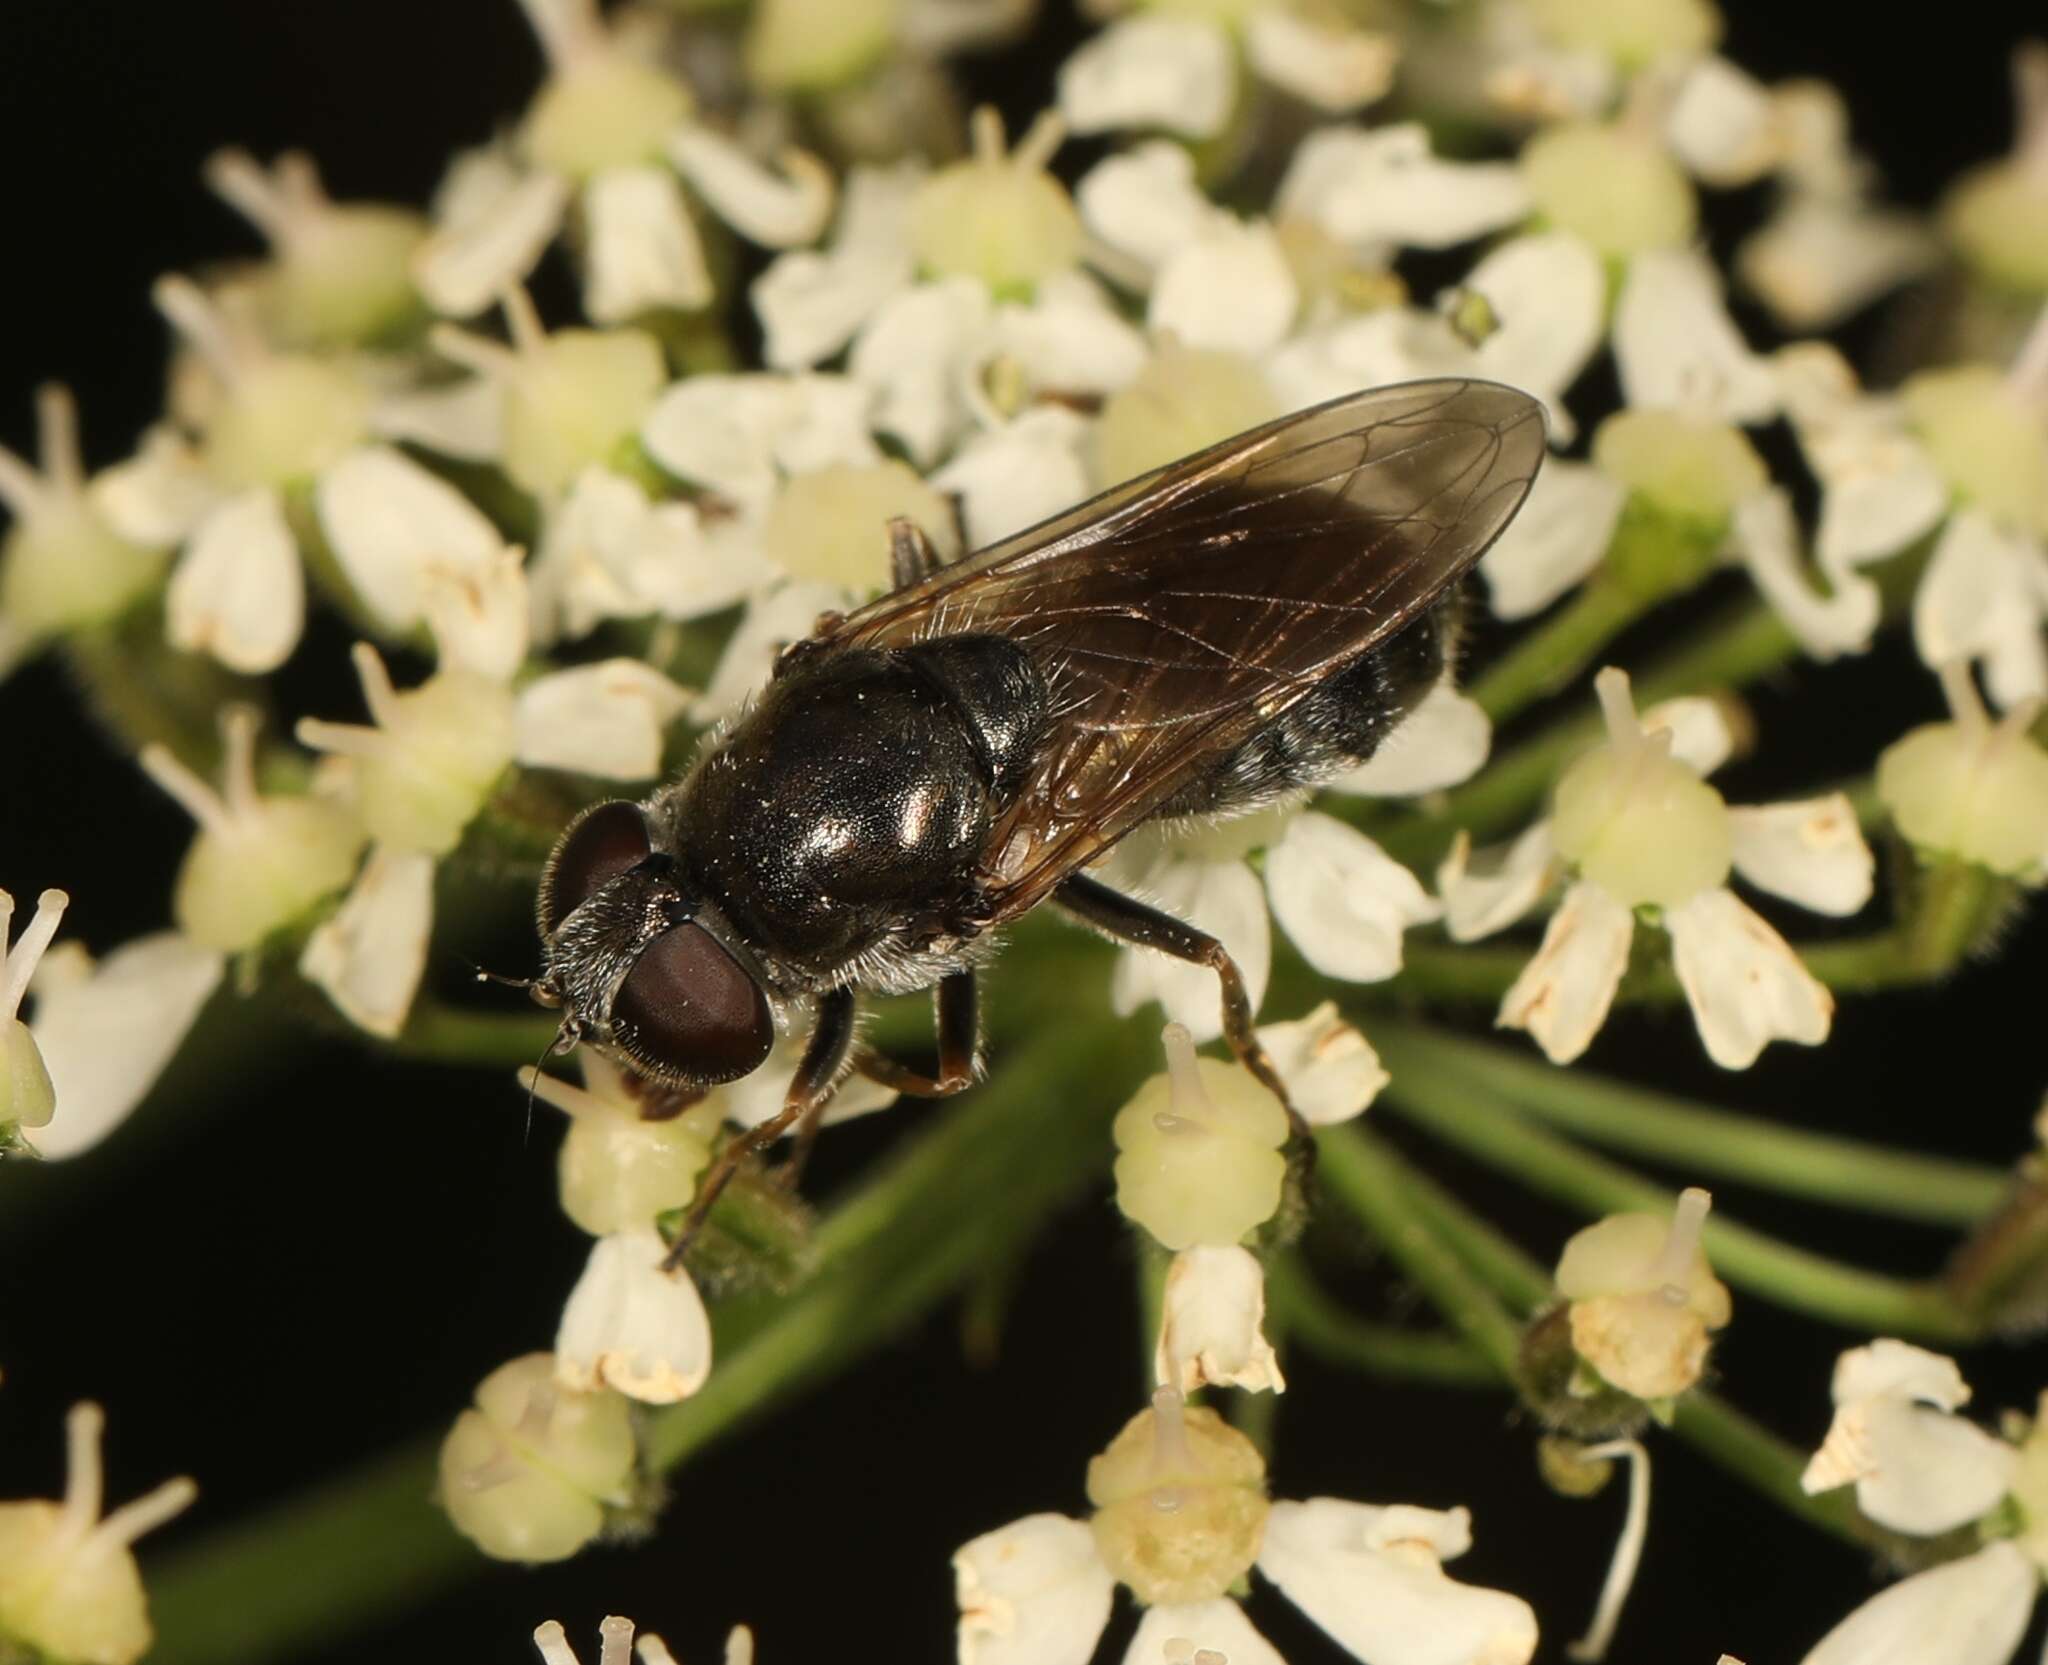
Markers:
point(1177, 614)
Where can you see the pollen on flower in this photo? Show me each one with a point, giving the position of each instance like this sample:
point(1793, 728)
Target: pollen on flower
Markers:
point(1639, 823)
point(259, 862)
point(528, 1472)
point(1180, 1502)
point(69, 1588)
point(26, 1097)
point(1199, 1150)
point(1643, 1298)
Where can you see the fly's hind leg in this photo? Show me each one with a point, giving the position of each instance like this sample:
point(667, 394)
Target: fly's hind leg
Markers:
point(1138, 923)
point(810, 1090)
point(913, 557)
point(957, 1005)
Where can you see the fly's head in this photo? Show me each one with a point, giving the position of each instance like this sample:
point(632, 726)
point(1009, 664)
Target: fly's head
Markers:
point(641, 966)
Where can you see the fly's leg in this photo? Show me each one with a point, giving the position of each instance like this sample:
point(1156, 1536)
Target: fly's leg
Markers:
point(912, 556)
point(957, 1002)
point(1127, 920)
point(810, 1090)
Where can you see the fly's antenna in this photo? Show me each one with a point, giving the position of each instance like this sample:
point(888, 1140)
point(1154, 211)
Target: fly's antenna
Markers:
point(542, 991)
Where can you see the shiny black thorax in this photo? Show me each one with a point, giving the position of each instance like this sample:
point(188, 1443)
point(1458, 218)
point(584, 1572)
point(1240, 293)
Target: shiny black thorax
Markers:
point(838, 824)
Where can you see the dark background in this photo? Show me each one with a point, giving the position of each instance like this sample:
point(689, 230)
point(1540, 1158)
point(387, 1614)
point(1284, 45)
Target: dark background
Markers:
point(337, 1248)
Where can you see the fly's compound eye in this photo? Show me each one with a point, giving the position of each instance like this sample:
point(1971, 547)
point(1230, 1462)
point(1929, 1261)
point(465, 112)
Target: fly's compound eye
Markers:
point(600, 844)
point(690, 1009)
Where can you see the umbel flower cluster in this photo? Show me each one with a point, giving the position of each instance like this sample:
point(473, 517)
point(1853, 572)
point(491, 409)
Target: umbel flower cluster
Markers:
point(815, 300)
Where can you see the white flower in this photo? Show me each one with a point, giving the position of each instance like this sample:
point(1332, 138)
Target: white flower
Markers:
point(1643, 1299)
point(1037, 1592)
point(527, 1473)
point(756, 1098)
point(610, 131)
point(1966, 1612)
point(1210, 1323)
point(1180, 72)
point(432, 755)
point(631, 1326)
point(107, 1030)
point(1643, 830)
point(69, 1588)
point(65, 563)
point(1342, 900)
point(1915, 1465)
point(27, 1098)
point(1331, 1070)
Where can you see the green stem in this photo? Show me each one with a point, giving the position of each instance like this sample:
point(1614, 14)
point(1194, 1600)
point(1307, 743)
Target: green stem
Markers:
point(1548, 658)
point(1358, 1169)
point(1704, 1139)
point(972, 1187)
point(457, 1035)
point(1710, 1425)
point(1481, 1124)
point(1323, 1325)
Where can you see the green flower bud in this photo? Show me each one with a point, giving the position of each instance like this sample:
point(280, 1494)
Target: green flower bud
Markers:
point(1184, 399)
point(284, 419)
point(1691, 469)
point(1199, 1150)
point(1971, 788)
point(1000, 218)
point(1621, 193)
point(1996, 215)
point(1180, 1503)
point(1987, 438)
point(571, 398)
point(809, 45)
point(601, 110)
point(831, 525)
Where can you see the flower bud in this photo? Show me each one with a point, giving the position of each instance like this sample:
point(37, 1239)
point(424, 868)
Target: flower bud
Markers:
point(571, 398)
point(1996, 215)
point(527, 1474)
point(1000, 218)
point(1180, 1501)
point(603, 109)
point(1640, 824)
point(797, 45)
point(1971, 788)
point(831, 525)
point(26, 1097)
point(1618, 191)
point(421, 774)
point(1988, 439)
point(1199, 1150)
point(1643, 1298)
point(69, 1588)
point(1693, 470)
point(1184, 398)
point(258, 863)
point(619, 1168)
point(62, 565)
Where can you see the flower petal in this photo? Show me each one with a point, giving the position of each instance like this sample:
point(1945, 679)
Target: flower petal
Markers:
point(1223, 898)
point(1765, 534)
point(642, 250)
point(1560, 536)
point(1443, 741)
point(811, 304)
point(1330, 66)
point(1384, 188)
point(1210, 1318)
point(1342, 899)
point(370, 956)
point(1722, 124)
point(633, 1327)
point(1822, 258)
point(1230, 290)
point(1677, 348)
point(1745, 985)
point(1563, 994)
point(1196, 1632)
point(1394, 344)
point(391, 525)
point(107, 1032)
point(158, 495)
point(1032, 1593)
point(1373, 1580)
point(1507, 885)
point(1700, 736)
point(737, 435)
point(1019, 474)
point(1174, 73)
point(1331, 1070)
point(606, 719)
point(238, 591)
point(463, 419)
point(1549, 294)
point(776, 211)
point(911, 353)
point(1983, 597)
point(1144, 202)
point(1070, 338)
point(1967, 1612)
point(1811, 852)
point(493, 223)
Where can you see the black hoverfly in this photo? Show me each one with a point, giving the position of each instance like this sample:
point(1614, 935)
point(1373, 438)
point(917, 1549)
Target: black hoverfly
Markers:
point(919, 772)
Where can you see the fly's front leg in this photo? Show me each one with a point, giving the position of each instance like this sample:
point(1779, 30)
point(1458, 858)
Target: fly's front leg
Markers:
point(1128, 920)
point(957, 1003)
point(913, 557)
point(810, 1090)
